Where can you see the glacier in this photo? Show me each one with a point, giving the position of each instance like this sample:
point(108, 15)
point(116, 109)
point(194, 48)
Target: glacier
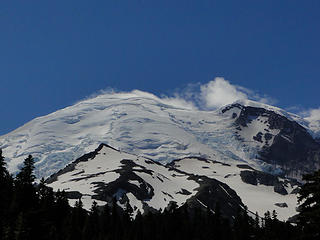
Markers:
point(139, 123)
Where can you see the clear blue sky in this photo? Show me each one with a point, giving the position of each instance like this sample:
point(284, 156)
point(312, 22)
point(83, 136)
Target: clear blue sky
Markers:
point(53, 53)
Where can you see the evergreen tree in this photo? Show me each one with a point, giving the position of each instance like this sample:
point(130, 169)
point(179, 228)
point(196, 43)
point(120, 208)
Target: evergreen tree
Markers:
point(256, 221)
point(25, 192)
point(39, 213)
point(104, 220)
point(6, 190)
point(26, 176)
point(3, 170)
point(91, 226)
point(46, 195)
point(61, 214)
point(21, 231)
point(274, 215)
point(309, 200)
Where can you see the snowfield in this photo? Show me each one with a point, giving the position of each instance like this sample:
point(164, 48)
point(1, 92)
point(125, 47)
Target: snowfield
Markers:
point(148, 127)
point(128, 177)
point(137, 123)
point(259, 198)
point(165, 185)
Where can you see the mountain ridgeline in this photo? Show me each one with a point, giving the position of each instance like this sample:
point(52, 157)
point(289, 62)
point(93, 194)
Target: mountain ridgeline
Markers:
point(35, 211)
point(244, 154)
point(293, 148)
point(264, 137)
point(145, 186)
point(140, 183)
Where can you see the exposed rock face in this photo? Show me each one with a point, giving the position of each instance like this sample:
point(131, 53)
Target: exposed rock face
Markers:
point(296, 190)
point(73, 195)
point(282, 205)
point(258, 190)
point(147, 127)
point(257, 177)
point(141, 184)
point(292, 148)
point(279, 188)
point(143, 192)
point(249, 177)
point(212, 192)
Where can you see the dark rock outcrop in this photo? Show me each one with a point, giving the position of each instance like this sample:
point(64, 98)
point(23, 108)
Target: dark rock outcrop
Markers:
point(279, 188)
point(249, 177)
point(70, 167)
point(144, 191)
point(257, 177)
point(73, 194)
point(282, 205)
point(212, 192)
point(293, 148)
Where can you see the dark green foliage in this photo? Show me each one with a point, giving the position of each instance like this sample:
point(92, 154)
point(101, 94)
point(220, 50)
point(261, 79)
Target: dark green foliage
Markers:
point(309, 199)
point(25, 197)
point(30, 211)
point(6, 193)
point(34, 211)
point(26, 176)
point(3, 170)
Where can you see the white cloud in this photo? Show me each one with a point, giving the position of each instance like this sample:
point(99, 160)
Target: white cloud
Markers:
point(212, 95)
point(220, 92)
point(176, 100)
point(313, 118)
point(312, 115)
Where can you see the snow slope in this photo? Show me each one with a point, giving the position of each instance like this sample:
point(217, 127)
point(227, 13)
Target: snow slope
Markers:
point(144, 184)
point(259, 198)
point(140, 180)
point(135, 122)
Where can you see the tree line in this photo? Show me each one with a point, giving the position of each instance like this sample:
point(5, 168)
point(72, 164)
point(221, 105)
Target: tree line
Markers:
point(34, 211)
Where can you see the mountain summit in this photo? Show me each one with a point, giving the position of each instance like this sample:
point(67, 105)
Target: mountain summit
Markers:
point(168, 152)
point(261, 136)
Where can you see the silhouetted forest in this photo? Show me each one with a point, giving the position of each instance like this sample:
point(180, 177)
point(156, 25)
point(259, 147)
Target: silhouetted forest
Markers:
point(34, 211)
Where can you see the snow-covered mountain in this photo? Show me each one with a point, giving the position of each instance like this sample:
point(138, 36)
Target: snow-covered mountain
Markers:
point(264, 137)
point(142, 184)
point(247, 149)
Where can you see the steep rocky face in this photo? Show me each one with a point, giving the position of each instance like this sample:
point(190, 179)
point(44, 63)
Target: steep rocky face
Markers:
point(145, 185)
point(255, 177)
point(140, 184)
point(212, 193)
point(282, 142)
point(258, 190)
point(260, 135)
